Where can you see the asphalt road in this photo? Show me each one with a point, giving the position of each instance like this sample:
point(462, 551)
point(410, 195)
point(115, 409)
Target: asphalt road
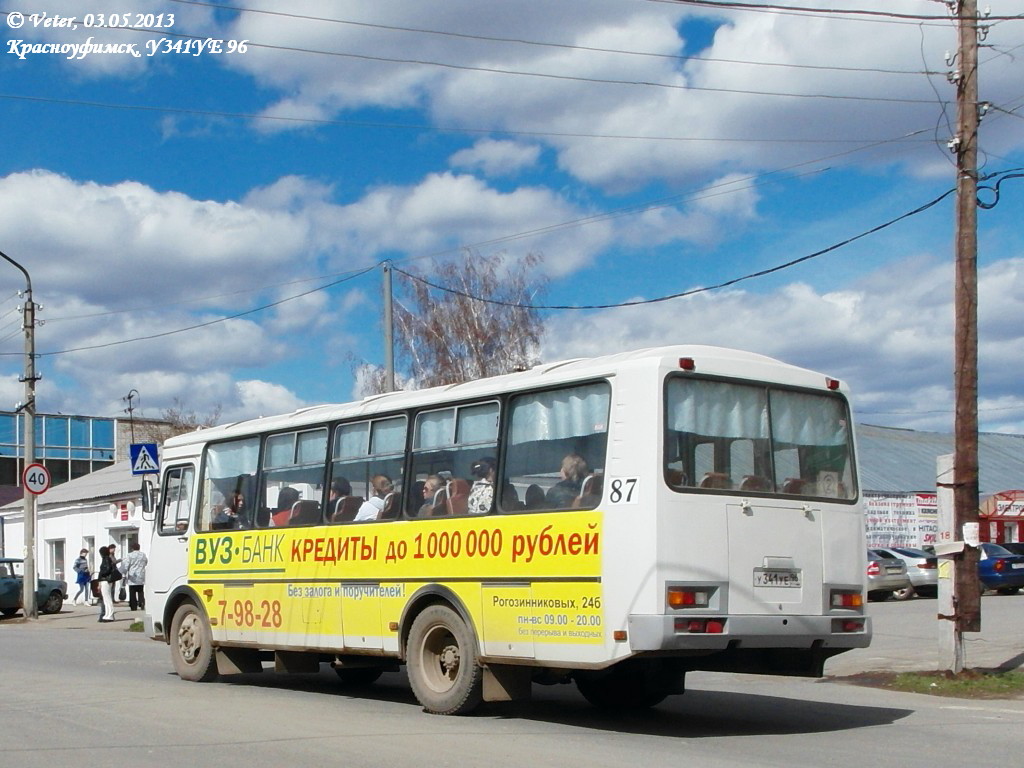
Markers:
point(73, 691)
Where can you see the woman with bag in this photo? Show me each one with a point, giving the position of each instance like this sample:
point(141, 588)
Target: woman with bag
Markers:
point(108, 575)
point(81, 567)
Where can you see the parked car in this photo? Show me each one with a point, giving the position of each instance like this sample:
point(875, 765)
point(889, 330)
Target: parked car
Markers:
point(886, 575)
point(922, 568)
point(50, 593)
point(1000, 569)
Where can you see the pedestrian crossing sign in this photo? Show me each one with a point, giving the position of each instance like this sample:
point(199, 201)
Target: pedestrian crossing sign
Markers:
point(144, 457)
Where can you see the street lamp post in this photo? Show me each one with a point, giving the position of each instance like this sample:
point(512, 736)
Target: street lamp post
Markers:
point(28, 408)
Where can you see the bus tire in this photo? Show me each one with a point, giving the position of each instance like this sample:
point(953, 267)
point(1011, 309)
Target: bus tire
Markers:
point(442, 660)
point(192, 645)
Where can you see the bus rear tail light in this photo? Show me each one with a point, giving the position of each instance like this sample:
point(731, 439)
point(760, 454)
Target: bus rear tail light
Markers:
point(848, 625)
point(683, 597)
point(847, 600)
point(700, 626)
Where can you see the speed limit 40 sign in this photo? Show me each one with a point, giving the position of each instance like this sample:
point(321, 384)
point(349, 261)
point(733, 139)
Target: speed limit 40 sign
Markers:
point(36, 478)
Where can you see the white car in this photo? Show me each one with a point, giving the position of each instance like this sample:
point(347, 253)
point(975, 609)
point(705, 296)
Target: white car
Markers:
point(922, 568)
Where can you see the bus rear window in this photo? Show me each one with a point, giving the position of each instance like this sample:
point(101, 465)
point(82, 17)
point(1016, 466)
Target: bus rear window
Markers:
point(724, 436)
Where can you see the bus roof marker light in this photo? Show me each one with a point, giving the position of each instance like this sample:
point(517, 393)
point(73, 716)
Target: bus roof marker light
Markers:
point(687, 364)
point(831, 383)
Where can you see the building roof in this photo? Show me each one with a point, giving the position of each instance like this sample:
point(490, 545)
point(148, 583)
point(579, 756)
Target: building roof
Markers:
point(109, 482)
point(903, 460)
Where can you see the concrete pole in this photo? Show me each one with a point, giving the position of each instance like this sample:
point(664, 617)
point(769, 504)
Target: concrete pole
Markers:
point(951, 639)
point(28, 594)
point(389, 332)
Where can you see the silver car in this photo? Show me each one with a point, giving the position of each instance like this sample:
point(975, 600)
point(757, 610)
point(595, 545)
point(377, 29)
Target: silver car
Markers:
point(922, 568)
point(886, 575)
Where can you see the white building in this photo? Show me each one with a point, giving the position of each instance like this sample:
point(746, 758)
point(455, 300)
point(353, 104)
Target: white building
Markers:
point(92, 511)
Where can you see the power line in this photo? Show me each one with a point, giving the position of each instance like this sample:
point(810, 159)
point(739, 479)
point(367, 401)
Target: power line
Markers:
point(544, 44)
point(414, 126)
point(693, 291)
point(545, 75)
point(822, 12)
point(254, 310)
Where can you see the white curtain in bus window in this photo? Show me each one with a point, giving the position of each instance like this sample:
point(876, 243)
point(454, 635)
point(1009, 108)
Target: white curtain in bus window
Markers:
point(352, 440)
point(717, 435)
point(561, 414)
point(550, 431)
point(812, 445)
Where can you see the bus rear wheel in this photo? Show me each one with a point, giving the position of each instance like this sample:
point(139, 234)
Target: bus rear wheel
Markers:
point(442, 660)
point(192, 645)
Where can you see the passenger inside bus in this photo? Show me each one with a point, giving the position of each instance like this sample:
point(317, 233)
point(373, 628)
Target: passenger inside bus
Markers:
point(340, 489)
point(431, 501)
point(563, 493)
point(381, 486)
point(286, 499)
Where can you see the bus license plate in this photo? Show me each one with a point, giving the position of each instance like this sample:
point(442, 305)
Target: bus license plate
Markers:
point(764, 578)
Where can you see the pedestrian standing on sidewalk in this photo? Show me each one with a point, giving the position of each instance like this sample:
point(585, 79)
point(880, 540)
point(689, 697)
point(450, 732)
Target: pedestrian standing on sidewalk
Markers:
point(113, 584)
point(134, 567)
point(81, 568)
point(108, 576)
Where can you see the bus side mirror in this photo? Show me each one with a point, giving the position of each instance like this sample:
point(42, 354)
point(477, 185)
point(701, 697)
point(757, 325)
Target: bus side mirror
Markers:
point(148, 506)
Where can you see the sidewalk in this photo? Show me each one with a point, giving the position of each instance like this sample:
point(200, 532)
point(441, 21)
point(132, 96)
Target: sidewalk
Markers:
point(86, 617)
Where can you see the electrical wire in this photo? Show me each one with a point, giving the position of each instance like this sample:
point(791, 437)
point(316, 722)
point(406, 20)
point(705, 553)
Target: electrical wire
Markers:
point(693, 291)
point(541, 75)
point(422, 127)
point(823, 12)
point(543, 44)
point(235, 316)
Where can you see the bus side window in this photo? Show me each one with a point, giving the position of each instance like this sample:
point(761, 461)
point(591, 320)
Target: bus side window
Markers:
point(176, 506)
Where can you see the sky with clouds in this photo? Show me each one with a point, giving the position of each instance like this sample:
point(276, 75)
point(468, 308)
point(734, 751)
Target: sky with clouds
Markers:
point(203, 224)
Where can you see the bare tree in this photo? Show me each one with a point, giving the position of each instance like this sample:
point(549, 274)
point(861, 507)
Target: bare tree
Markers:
point(184, 419)
point(450, 336)
point(175, 420)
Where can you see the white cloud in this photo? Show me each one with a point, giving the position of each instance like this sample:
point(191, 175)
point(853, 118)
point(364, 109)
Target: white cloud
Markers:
point(496, 158)
point(889, 336)
point(714, 105)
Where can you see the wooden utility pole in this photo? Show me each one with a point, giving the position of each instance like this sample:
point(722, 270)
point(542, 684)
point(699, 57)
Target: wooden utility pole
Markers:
point(966, 500)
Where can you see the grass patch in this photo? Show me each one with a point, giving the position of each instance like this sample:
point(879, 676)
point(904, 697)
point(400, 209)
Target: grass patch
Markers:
point(968, 684)
point(136, 626)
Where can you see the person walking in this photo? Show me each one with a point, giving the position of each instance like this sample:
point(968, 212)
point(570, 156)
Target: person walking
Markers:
point(134, 567)
point(81, 567)
point(108, 576)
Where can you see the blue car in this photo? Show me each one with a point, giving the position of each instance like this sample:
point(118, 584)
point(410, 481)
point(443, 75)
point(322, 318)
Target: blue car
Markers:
point(50, 593)
point(1000, 569)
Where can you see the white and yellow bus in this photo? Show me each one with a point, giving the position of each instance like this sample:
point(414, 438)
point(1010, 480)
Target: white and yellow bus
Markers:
point(613, 522)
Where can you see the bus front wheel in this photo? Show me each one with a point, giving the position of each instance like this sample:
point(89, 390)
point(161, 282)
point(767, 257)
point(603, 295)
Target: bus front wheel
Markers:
point(442, 660)
point(192, 645)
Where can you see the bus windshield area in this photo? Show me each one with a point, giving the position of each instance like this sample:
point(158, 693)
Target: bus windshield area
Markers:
point(731, 437)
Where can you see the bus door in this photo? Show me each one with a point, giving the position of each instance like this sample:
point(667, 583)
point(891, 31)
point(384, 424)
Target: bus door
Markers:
point(168, 551)
point(775, 557)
